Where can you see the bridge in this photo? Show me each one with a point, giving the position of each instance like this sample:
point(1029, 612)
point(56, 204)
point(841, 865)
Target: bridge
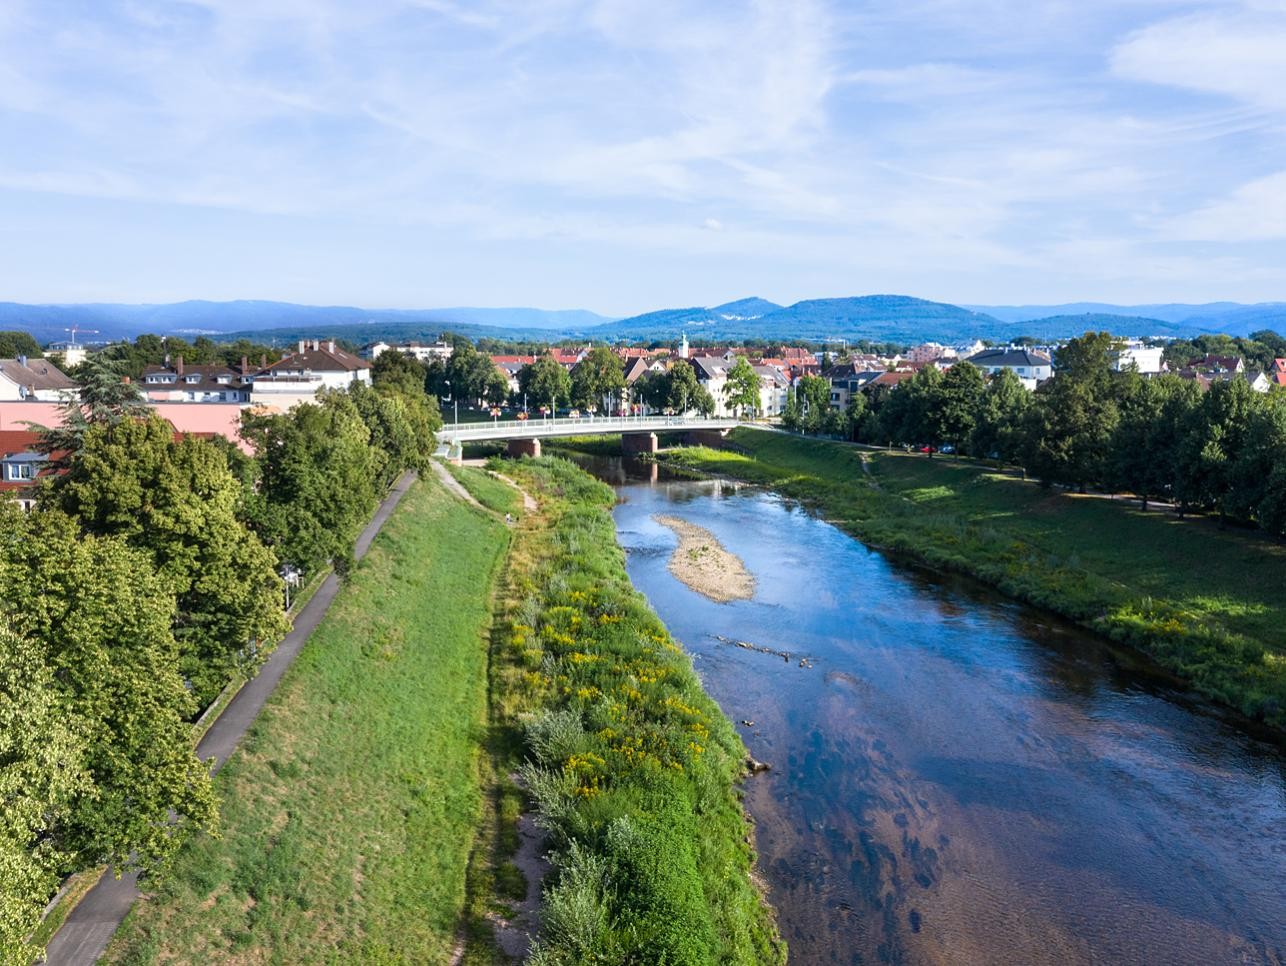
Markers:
point(638, 433)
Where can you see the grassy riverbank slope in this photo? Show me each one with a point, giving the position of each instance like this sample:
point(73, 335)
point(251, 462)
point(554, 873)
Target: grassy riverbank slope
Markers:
point(1206, 603)
point(349, 811)
point(632, 767)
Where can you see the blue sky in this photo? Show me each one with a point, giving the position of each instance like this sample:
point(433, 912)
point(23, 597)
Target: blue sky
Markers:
point(624, 156)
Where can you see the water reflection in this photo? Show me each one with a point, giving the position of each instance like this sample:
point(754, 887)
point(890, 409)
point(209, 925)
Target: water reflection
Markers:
point(959, 779)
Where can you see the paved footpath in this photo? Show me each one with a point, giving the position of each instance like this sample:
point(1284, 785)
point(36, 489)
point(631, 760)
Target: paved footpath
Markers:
point(91, 925)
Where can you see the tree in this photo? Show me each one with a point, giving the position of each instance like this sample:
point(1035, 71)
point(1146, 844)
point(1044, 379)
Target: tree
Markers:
point(398, 371)
point(496, 391)
point(997, 432)
point(106, 397)
point(467, 373)
point(1069, 428)
point(813, 397)
point(1147, 439)
point(41, 773)
point(317, 480)
point(14, 343)
point(178, 502)
point(597, 377)
point(101, 618)
point(1217, 433)
point(741, 391)
point(958, 402)
point(545, 381)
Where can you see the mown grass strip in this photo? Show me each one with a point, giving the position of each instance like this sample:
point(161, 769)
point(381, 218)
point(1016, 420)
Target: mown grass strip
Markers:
point(494, 494)
point(633, 769)
point(349, 810)
point(1205, 603)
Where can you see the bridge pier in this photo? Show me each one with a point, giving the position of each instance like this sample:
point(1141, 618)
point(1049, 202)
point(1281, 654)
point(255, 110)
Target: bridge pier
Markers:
point(519, 448)
point(704, 437)
point(632, 444)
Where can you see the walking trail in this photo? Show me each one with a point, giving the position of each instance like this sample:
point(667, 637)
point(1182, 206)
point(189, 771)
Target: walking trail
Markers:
point(91, 925)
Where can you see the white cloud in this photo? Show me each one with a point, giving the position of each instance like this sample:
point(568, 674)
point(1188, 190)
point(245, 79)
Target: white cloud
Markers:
point(1256, 211)
point(1239, 53)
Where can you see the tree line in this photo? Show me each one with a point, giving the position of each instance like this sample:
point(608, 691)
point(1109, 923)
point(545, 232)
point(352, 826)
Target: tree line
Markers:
point(1161, 438)
point(147, 577)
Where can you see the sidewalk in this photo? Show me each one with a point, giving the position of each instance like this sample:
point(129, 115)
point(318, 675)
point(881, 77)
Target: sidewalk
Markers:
point(93, 922)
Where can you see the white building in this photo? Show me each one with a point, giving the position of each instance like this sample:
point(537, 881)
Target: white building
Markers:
point(37, 380)
point(1031, 368)
point(421, 353)
point(201, 383)
point(297, 377)
point(1146, 359)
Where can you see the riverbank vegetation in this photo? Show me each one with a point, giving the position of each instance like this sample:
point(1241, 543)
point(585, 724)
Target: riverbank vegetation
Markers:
point(349, 811)
point(1204, 602)
point(147, 578)
point(632, 767)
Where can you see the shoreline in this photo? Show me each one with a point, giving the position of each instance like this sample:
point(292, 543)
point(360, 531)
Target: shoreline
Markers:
point(703, 564)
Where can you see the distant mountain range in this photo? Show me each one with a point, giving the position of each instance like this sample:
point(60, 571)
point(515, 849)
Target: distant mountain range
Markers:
point(879, 318)
point(248, 317)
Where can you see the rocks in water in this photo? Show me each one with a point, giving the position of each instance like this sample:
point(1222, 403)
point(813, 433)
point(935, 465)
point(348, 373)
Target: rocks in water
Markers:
point(754, 766)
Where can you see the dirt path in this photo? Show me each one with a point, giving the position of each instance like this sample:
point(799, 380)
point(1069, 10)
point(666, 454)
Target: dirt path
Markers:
point(454, 486)
point(702, 563)
point(528, 503)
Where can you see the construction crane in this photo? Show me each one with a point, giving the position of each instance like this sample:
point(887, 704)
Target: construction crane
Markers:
point(74, 329)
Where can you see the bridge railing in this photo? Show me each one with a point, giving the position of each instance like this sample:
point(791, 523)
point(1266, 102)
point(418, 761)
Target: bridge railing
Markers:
point(589, 424)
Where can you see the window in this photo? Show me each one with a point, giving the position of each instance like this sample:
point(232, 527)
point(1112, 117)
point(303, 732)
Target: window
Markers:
point(19, 471)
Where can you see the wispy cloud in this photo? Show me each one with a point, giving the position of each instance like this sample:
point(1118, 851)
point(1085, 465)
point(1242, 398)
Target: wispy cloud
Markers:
point(971, 151)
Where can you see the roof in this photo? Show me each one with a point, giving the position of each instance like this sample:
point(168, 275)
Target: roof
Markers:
point(773, 373)
point(1231, 363)
point(890, 378)
point(208, 381)
point(318, 357)
point(635, 368)
point(17, 441)
point(710, 367)
point(1008, 358)
point(35, 374)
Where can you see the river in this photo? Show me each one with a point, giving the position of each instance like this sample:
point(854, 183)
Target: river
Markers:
point(957, 778)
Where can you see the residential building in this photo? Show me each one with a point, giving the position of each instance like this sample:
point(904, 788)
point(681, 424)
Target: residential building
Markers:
point(73, 353)
point(849, 378)
point(1031, 367)
point(297, 377)
point(178, 382)
point(712, 374)
point(420, 352)
point(39, 380)
point(1277, 374)
point(1144, 359)
point(929, 352)
point(21, 466)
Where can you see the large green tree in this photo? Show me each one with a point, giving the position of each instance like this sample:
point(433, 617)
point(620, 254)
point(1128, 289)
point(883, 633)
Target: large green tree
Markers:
point(42, 749)
point(997, 433)
point(958, 403)
point(597, 378)
point(741, 390)
point(317, 482)
point(1069, 428)
point(545, 382)
point(178, 501)
point(14, 343)
point(102, 620)
point(398, 371)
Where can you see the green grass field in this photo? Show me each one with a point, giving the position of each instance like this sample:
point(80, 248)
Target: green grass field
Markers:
point(350, 810)
point(1206, 603)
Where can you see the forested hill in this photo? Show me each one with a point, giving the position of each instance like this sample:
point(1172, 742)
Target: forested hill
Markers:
point(879, 318)
point(109, 321)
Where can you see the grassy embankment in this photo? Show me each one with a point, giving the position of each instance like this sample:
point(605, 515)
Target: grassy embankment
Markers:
point(1205, 603)
point(349, 810)
point(632, 768)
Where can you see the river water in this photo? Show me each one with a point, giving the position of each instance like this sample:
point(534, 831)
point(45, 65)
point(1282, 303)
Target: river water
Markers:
point(957, 778)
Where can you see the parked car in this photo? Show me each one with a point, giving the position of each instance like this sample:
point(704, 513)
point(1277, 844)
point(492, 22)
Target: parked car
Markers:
point(948, 449)
point(926, 449)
